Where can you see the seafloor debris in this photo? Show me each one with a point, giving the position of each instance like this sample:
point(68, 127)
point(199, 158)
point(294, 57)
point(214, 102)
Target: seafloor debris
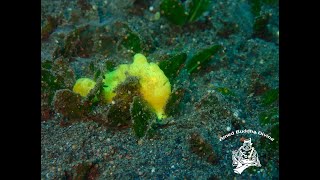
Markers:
point(228, 29)
point(85, 170)
point(69, 104)
point(54, 76)
point(200, 147)
point(50, 26)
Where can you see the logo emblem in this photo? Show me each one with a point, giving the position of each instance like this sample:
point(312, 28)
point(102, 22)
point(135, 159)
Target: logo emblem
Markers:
point(245, 157)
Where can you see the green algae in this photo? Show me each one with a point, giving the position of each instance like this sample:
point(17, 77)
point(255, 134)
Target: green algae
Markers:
point(132, 42)
point(171, 66)
point(173, 106)
point(177, 14)
point(197, 8)
point(119, 112)
point(202, 58)
point(260, 28)
point(174, 11)
point(269, 116)
point(270, 97)
point(142, 116)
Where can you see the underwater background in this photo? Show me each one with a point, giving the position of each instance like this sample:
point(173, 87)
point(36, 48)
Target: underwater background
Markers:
point(220, 58)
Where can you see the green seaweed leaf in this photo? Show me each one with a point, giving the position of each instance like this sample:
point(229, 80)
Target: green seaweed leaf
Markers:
point(141, 115)
point(270, 96)
point(97, 74)
point(46, 64)
point(174, 11)
point(271, 146)
point(202, 58)
point(269, 116)
point(173, 106)
point(271, 2)
point(197, 8)
point(171, 66)
point(255, 7)
point(260, 27)
point(50, 79)
point(119, 114)
point(110, 66)
point(275, 132)
point(132, 42)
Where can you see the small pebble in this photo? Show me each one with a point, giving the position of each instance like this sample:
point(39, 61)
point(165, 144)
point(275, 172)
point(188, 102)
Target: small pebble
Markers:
point(236, 114)
point(74, 147)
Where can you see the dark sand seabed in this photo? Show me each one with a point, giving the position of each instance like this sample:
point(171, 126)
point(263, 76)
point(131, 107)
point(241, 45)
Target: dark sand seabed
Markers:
point(236, 90)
